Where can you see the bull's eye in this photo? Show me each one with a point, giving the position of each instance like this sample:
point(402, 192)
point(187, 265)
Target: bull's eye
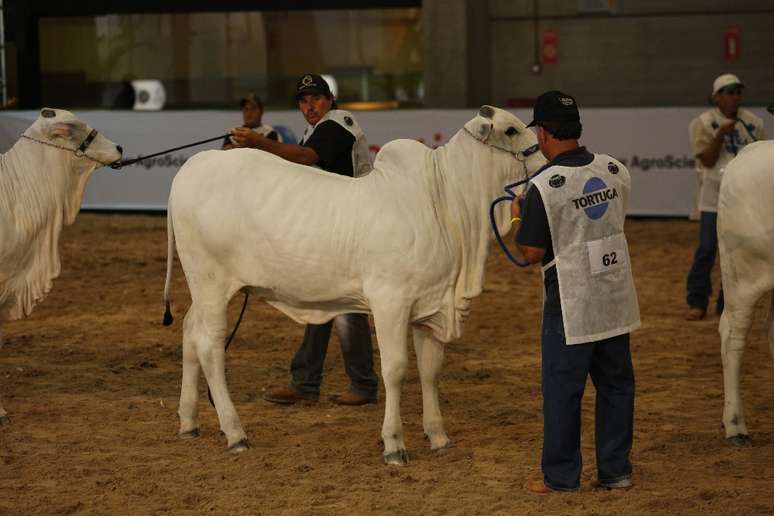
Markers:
point(511, 131)
point(48, 113)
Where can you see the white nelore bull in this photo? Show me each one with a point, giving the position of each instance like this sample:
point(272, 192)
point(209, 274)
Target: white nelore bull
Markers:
point(746, 242)
point(42, 178)
point(407, 242)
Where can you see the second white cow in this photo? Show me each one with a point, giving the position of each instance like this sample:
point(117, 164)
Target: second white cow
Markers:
point(746, 243)
point(42, 178)
point(407, 242)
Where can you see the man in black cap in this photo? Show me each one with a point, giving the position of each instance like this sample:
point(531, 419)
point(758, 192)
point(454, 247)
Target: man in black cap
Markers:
point(333, 141)
point(572, 221)
point(252, 115)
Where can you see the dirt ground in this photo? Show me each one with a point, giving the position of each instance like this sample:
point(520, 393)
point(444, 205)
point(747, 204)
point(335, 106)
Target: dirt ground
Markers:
point(91, 382)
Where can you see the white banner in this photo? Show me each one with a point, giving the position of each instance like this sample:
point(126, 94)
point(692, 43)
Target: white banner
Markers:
point(651, 142)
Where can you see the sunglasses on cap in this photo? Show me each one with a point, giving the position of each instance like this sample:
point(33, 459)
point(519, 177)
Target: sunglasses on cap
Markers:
point(731, 90)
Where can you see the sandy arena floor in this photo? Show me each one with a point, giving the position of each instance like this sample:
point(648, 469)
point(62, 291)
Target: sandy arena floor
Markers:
point(91, 382)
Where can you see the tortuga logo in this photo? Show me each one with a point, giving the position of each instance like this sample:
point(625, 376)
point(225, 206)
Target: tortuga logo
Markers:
point(595, 199)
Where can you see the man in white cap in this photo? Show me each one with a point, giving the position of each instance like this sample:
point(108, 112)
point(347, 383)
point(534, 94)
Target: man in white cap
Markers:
point(717, 136)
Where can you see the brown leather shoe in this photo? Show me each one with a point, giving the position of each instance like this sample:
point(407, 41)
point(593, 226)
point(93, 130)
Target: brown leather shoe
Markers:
point(286, 396)
point(352, 399)
point(624, 484)
point(695, 314)
point(536, 485)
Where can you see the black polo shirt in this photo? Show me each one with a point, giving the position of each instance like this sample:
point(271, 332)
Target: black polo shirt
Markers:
point(333, 144)
point(535, 232)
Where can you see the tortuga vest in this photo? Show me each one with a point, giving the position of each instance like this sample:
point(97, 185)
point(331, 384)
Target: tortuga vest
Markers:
point(361, 158)
point(586, 209)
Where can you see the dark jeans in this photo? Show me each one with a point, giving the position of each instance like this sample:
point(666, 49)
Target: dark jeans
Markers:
point(564, 371)
point(355, 336)
point(699, 284)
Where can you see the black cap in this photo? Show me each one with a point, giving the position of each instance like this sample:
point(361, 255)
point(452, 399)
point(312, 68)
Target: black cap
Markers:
point(312, 84)
point(251, 97)
point(555, 106)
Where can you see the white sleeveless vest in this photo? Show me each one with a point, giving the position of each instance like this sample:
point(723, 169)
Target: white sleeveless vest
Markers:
point(263, 130)
point(266, 129)
point(586, 208)
point(361, 158)
point(747, 130)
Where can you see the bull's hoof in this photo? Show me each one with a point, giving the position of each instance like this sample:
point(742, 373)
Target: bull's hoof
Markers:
point(740, 440)
point(5, 420)
point(239, 446)
point(397, 458)
point(441, 450)
point(191, 434)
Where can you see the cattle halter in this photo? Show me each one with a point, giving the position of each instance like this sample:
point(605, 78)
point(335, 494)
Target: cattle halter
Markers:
point(80, 152)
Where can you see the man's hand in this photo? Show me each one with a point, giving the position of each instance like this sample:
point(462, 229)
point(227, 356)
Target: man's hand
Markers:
point(709, 157)
point(516, 206)
point(726, 129)
point(246, 137)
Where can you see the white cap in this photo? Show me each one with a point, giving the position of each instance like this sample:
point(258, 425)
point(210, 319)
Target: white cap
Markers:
point(727, 79)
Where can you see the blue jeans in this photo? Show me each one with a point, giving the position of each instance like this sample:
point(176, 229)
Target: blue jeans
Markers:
point(564, 372)
point(355, 336)
point(699, 283)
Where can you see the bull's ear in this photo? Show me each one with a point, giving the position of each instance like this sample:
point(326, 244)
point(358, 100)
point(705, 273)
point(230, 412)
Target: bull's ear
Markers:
point(47, 113)
point(61, 130)
point(484, 130)
point(480, 128)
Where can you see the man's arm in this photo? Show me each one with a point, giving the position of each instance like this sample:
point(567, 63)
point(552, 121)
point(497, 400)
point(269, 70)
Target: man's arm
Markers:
point(709, 156)
point(531, 254)
point(245, 137)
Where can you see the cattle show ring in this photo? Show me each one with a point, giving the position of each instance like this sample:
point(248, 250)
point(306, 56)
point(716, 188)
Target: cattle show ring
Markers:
point(160, 264)
point(90, 380)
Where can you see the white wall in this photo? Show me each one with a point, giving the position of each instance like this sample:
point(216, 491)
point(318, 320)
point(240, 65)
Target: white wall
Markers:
point(653, 142)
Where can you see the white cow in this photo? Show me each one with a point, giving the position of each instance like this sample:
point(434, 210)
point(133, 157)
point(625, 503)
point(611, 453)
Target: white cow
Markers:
point(407, 242)
point(42, 178)
point(746, 241)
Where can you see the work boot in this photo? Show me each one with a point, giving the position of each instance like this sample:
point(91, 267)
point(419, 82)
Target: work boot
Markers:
point(695, 314)
point(287, 396)
point(352, 399)
point(625, 483)
point(536, 485)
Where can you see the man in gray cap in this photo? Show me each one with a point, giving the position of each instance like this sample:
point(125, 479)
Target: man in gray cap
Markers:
point(572, 221)
point(717, 135)
point(334, 142)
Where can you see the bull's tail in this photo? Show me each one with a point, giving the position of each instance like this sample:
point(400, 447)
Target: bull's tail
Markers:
point(170, 263)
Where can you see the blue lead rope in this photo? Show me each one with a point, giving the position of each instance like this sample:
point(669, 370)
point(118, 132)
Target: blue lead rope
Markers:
point(511, 196)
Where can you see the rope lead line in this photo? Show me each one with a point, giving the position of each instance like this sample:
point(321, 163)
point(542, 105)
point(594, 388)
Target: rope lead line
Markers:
point(119, 164)
point(499, 237)
point(228, 342)
point(510, 196)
